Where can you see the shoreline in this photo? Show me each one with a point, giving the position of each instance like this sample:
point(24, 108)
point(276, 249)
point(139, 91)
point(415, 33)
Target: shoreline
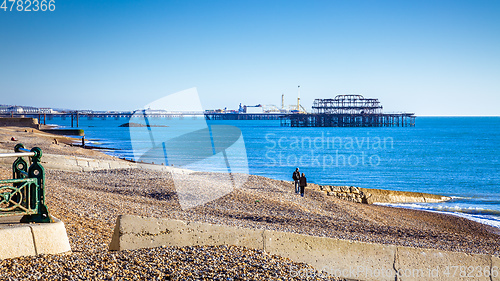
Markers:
point(123, 153)
point(468, 216)
point(321, 215)
point(377, 195)
point(384, 197)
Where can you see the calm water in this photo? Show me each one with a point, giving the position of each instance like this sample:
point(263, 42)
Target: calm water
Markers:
point(453, 156)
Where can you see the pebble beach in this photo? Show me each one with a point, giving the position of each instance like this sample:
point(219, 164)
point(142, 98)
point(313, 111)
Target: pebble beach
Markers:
point(89, 203)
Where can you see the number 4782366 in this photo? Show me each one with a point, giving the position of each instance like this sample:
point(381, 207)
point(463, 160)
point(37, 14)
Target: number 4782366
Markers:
point(28, 5)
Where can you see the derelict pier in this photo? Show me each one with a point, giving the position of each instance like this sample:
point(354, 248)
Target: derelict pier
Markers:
point(348, 111)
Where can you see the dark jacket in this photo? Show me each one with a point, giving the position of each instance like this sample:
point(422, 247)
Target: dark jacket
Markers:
point(303, 182)
point(296, 175)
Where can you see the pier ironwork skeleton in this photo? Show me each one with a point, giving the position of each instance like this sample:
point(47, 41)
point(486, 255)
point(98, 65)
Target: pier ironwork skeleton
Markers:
point(348, 111)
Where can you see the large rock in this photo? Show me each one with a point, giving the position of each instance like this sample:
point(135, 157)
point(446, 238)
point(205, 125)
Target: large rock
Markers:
point(345, 189)
point(336, 188)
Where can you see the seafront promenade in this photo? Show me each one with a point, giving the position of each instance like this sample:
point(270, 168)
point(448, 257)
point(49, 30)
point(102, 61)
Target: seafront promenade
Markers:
point(89, 201)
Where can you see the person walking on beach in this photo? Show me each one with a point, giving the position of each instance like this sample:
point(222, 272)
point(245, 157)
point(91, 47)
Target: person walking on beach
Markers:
point(303, 184)
point(296, 178)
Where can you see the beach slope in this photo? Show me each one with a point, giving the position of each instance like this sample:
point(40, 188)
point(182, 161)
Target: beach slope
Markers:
point(89, 202)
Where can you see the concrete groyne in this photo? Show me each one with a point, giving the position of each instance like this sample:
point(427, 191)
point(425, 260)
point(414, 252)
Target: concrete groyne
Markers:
point(370, 195)
point(83, 164)
point(395, 196)
point(19, 122)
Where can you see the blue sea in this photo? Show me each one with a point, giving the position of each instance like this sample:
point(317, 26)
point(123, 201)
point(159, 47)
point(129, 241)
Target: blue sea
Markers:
point(452, 156)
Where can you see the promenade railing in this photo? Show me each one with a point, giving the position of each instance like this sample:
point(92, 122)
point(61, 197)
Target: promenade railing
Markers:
point(24, 194)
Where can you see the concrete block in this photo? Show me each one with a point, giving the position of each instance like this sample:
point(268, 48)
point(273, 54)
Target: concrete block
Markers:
point(132, 232)
point(50, 238)
point(18, 241)
point(341, 258)
point(429, 264)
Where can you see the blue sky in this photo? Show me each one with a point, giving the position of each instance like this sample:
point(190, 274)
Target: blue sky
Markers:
point(427, 57)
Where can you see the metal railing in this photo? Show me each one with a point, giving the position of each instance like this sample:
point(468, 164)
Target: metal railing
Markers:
point(24, 194)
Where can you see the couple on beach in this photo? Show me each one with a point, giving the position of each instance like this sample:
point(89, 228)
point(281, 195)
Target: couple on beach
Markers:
point(300, 182)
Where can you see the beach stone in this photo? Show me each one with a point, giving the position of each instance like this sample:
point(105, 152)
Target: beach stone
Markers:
point(89, 202)
point(349, 193)
point(354, 189)
point(336, 188)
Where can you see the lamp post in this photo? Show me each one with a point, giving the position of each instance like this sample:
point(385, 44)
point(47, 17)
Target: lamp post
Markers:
point(298, 100)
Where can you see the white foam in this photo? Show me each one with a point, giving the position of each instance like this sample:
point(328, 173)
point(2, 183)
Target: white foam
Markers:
point(477, 214)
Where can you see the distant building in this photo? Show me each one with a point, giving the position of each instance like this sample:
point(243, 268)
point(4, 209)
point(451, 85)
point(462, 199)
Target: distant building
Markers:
point(254, 109)
point(45, 110)
point(16, 109)
point(86, 111)
point(4, 109)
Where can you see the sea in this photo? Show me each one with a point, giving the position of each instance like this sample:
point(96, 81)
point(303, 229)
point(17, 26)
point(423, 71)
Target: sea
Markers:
point(457, 157)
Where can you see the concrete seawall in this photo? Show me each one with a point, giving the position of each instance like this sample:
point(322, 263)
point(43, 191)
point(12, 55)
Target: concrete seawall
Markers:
point(19, 122)
point(82, 164)
point(342, 258)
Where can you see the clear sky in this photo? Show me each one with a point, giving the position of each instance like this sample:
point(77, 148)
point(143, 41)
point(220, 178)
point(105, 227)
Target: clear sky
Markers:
point(427, 57)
